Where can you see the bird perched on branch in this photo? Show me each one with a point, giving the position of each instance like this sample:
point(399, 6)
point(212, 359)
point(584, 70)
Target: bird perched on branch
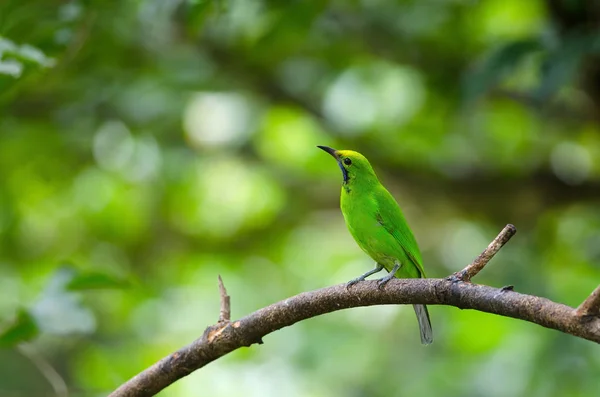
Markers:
point(376, 222)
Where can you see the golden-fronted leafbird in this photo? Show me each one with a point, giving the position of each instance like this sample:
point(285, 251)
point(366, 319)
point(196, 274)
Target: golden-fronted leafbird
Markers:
point(376, 222)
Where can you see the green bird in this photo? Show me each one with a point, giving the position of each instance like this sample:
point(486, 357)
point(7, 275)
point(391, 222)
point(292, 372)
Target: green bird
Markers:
point(376, 222)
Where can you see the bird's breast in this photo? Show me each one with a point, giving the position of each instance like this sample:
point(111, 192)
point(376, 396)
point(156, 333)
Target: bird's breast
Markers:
point(361, 220)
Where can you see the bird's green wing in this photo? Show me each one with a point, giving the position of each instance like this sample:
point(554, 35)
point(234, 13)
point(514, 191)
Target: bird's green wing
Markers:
point(391, 218)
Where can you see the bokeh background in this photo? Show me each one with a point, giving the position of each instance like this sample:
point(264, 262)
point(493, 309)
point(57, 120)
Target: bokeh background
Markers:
point(148, 146)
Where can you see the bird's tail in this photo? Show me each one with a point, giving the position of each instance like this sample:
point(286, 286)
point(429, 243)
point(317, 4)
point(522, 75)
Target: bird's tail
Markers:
point(424, 324)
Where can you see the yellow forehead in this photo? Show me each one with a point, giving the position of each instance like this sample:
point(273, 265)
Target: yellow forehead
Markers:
point(358, 163)
point(349, 153)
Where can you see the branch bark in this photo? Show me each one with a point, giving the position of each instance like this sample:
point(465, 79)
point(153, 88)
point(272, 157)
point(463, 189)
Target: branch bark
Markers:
point(590, 306)
point(225, 313)
point(479, 263)
point(226, 336)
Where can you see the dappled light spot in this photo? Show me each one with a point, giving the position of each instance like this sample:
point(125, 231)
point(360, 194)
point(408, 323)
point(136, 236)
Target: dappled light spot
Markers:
point(146, 160)
point(14, 57)
point(373, 95)
point(288, 137)
point(113, 146)
point(461, 244)
point(571, 162)
point(301, 75)
point(11, 67)
point(116, 149)
point(93, 190)
point(216, 119)
point(59, 311)
point(223, 196)
point(508, 19)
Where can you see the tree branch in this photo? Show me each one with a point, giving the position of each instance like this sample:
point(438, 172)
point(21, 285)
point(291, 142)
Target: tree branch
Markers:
point(225, 313)
point(590, 306)
point(225, 337)
point(479, 263)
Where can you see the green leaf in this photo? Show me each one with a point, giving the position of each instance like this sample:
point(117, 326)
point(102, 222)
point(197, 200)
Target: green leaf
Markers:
point(496, 66)
point(563, 64)
point(94, 280)
point(24, 328)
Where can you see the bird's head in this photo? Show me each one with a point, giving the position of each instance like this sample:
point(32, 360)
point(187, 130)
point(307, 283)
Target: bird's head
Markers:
point(354, 165)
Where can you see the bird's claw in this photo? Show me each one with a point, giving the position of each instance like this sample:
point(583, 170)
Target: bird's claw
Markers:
point(456, 278)
point(383, 281)
point(354, 281)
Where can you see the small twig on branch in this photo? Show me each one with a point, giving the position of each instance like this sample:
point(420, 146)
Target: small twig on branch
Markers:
point(590, 306)
point(225, 337)
point(479, 263)
point(225, 312)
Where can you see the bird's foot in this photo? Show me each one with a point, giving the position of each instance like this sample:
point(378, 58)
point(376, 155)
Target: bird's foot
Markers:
point(354, 281)
point(384, 280)
point(457, 277)
point(362, 277)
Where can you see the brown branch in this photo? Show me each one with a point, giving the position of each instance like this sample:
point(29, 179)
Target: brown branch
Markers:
point(225, 313)
point(225, 337)
point(479, 263)
point(218, 341)
point(590, 306)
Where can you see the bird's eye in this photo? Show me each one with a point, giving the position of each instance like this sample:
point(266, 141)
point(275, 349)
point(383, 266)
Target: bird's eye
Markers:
point(347, 161)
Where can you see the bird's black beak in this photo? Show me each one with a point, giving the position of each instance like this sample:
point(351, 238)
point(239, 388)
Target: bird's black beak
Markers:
point(335, 155)
point(329, 150)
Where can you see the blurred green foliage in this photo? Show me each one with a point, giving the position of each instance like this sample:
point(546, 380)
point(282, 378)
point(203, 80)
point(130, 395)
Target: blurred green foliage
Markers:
point(156, 144)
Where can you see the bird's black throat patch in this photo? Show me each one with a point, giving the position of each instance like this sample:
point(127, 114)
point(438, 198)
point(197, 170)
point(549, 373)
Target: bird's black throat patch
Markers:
point(344, 171)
